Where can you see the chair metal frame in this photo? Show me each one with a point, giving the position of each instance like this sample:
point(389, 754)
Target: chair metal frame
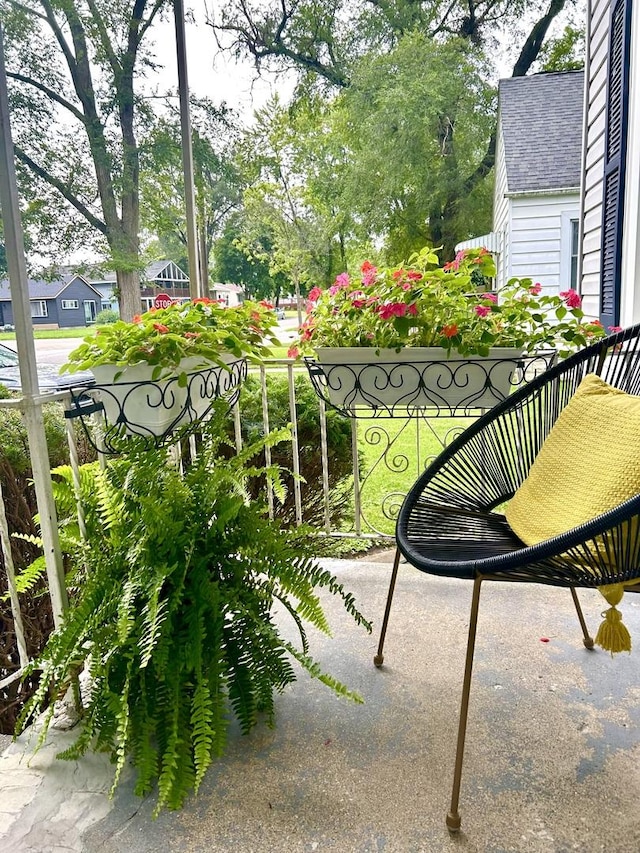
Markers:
point(448, 526)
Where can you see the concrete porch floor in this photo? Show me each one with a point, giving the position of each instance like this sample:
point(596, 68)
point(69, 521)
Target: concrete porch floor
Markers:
point(552, 761)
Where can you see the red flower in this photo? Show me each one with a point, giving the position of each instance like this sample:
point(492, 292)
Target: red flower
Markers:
point(450, 331)
point(204, 299)
point(571, 298)
point(265, 304)
point(367, 266)
point(396, 274)
point(293, 352)
point(482, 310)
point(314, 294)
point(412, 309)
point(137, 318)
point(160, 327)
point(452, 265)
point(192, 334)
point(414, 275)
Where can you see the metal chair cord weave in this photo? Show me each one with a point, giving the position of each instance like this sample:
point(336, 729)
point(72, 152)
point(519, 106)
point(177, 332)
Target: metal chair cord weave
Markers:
point(448, 524)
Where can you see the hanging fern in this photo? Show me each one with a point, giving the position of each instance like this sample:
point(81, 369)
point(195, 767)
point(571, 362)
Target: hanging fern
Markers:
point(173, 610)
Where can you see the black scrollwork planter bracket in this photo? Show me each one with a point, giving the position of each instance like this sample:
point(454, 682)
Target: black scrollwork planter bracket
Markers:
point(440, 387)
point(154, 412)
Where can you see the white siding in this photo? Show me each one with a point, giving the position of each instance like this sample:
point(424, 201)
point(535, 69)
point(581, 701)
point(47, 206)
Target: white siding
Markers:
point(539, 238)
point(501, 211)
point(592, 202)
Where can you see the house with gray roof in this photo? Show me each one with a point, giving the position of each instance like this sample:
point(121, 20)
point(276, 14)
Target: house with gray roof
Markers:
point(159, 277)
point(536, 206)
point(68, 302)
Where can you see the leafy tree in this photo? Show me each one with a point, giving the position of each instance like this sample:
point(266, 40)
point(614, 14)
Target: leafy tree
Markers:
point(416, 121)
point(233, 264)
point(348, 45)
point(218, 185)
point(75, 109)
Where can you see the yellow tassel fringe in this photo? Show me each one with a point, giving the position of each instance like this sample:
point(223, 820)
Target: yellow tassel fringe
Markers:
point(613, 635)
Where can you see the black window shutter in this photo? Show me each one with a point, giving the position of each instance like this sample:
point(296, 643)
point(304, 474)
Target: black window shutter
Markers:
point(614, 164)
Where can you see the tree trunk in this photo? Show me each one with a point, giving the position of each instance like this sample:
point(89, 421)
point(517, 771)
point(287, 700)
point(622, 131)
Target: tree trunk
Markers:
point(129, 293)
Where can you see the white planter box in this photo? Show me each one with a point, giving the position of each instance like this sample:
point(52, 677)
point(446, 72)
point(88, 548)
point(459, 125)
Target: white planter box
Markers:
point(145, 406)
point(416, 377)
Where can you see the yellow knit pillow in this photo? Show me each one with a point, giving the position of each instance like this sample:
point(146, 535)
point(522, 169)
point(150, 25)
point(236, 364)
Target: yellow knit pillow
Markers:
point(589, 463)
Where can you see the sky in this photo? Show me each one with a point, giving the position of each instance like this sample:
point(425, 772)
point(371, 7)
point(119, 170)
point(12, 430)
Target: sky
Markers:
point(210, 73)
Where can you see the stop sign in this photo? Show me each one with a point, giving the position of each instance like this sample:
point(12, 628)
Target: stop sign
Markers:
point(162, 300)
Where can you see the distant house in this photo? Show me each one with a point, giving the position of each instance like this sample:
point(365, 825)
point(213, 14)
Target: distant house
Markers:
point(230, 294)
point(158, 277)
point(68, 302)
point(536, 206)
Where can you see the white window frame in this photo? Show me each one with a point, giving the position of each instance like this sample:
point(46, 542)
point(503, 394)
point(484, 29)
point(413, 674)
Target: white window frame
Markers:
point(566, 247)
point(42, 305)
point(69, 304)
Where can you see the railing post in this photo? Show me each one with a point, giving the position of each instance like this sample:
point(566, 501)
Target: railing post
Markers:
point(32, 407)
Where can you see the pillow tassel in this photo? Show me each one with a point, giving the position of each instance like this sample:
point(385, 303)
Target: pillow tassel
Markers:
point(613, 635)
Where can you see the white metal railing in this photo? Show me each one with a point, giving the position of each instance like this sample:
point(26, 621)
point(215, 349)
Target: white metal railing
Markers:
point(385, 459)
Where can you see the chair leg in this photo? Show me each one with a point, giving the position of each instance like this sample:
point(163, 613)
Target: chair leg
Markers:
point(586, 637)
point(379, 657)
point(453, 817)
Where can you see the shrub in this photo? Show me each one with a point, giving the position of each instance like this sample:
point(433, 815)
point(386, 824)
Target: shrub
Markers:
point(106, 316)
point(308, 423)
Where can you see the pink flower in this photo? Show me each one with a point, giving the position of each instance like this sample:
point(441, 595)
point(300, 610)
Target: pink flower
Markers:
point(571, 298)
point(450, 331)
point(369, 277)
point(342, 280)
point(492, 297)
point(535, 289)
point(482, 310)
point(414, 275)
point(412, 309)
point(392, 309)
point(614, 329)
point(335, 288)
point(293, 352)
point(314, 294)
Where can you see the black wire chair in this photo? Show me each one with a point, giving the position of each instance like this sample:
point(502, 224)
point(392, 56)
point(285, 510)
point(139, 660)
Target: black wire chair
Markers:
point(448, 525)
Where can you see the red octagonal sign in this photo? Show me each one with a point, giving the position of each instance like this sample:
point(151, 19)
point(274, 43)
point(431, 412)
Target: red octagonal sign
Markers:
point(162, 300)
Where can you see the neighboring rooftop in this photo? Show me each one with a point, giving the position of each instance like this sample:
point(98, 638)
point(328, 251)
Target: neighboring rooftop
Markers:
point(541, 120)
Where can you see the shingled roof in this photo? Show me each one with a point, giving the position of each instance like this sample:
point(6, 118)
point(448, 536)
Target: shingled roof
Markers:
point(541, 120)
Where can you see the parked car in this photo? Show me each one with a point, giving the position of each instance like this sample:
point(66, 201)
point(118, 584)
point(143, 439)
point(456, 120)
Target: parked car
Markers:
point(280, 313)
point(48, 377)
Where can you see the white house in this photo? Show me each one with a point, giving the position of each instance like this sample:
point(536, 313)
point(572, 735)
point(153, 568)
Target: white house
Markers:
point(230, 294)
point(536, 204)
point(610, 198)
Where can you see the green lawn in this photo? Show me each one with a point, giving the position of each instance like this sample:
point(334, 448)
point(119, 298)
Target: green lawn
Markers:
point(394, 452)
point(43, 334)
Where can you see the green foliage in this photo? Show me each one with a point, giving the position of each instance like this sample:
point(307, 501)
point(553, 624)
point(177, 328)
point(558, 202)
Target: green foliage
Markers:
point(106, 316)
point(565, 53)
point(233, 265)
point(174, 612)
point(420, 304)
point(340, 469)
